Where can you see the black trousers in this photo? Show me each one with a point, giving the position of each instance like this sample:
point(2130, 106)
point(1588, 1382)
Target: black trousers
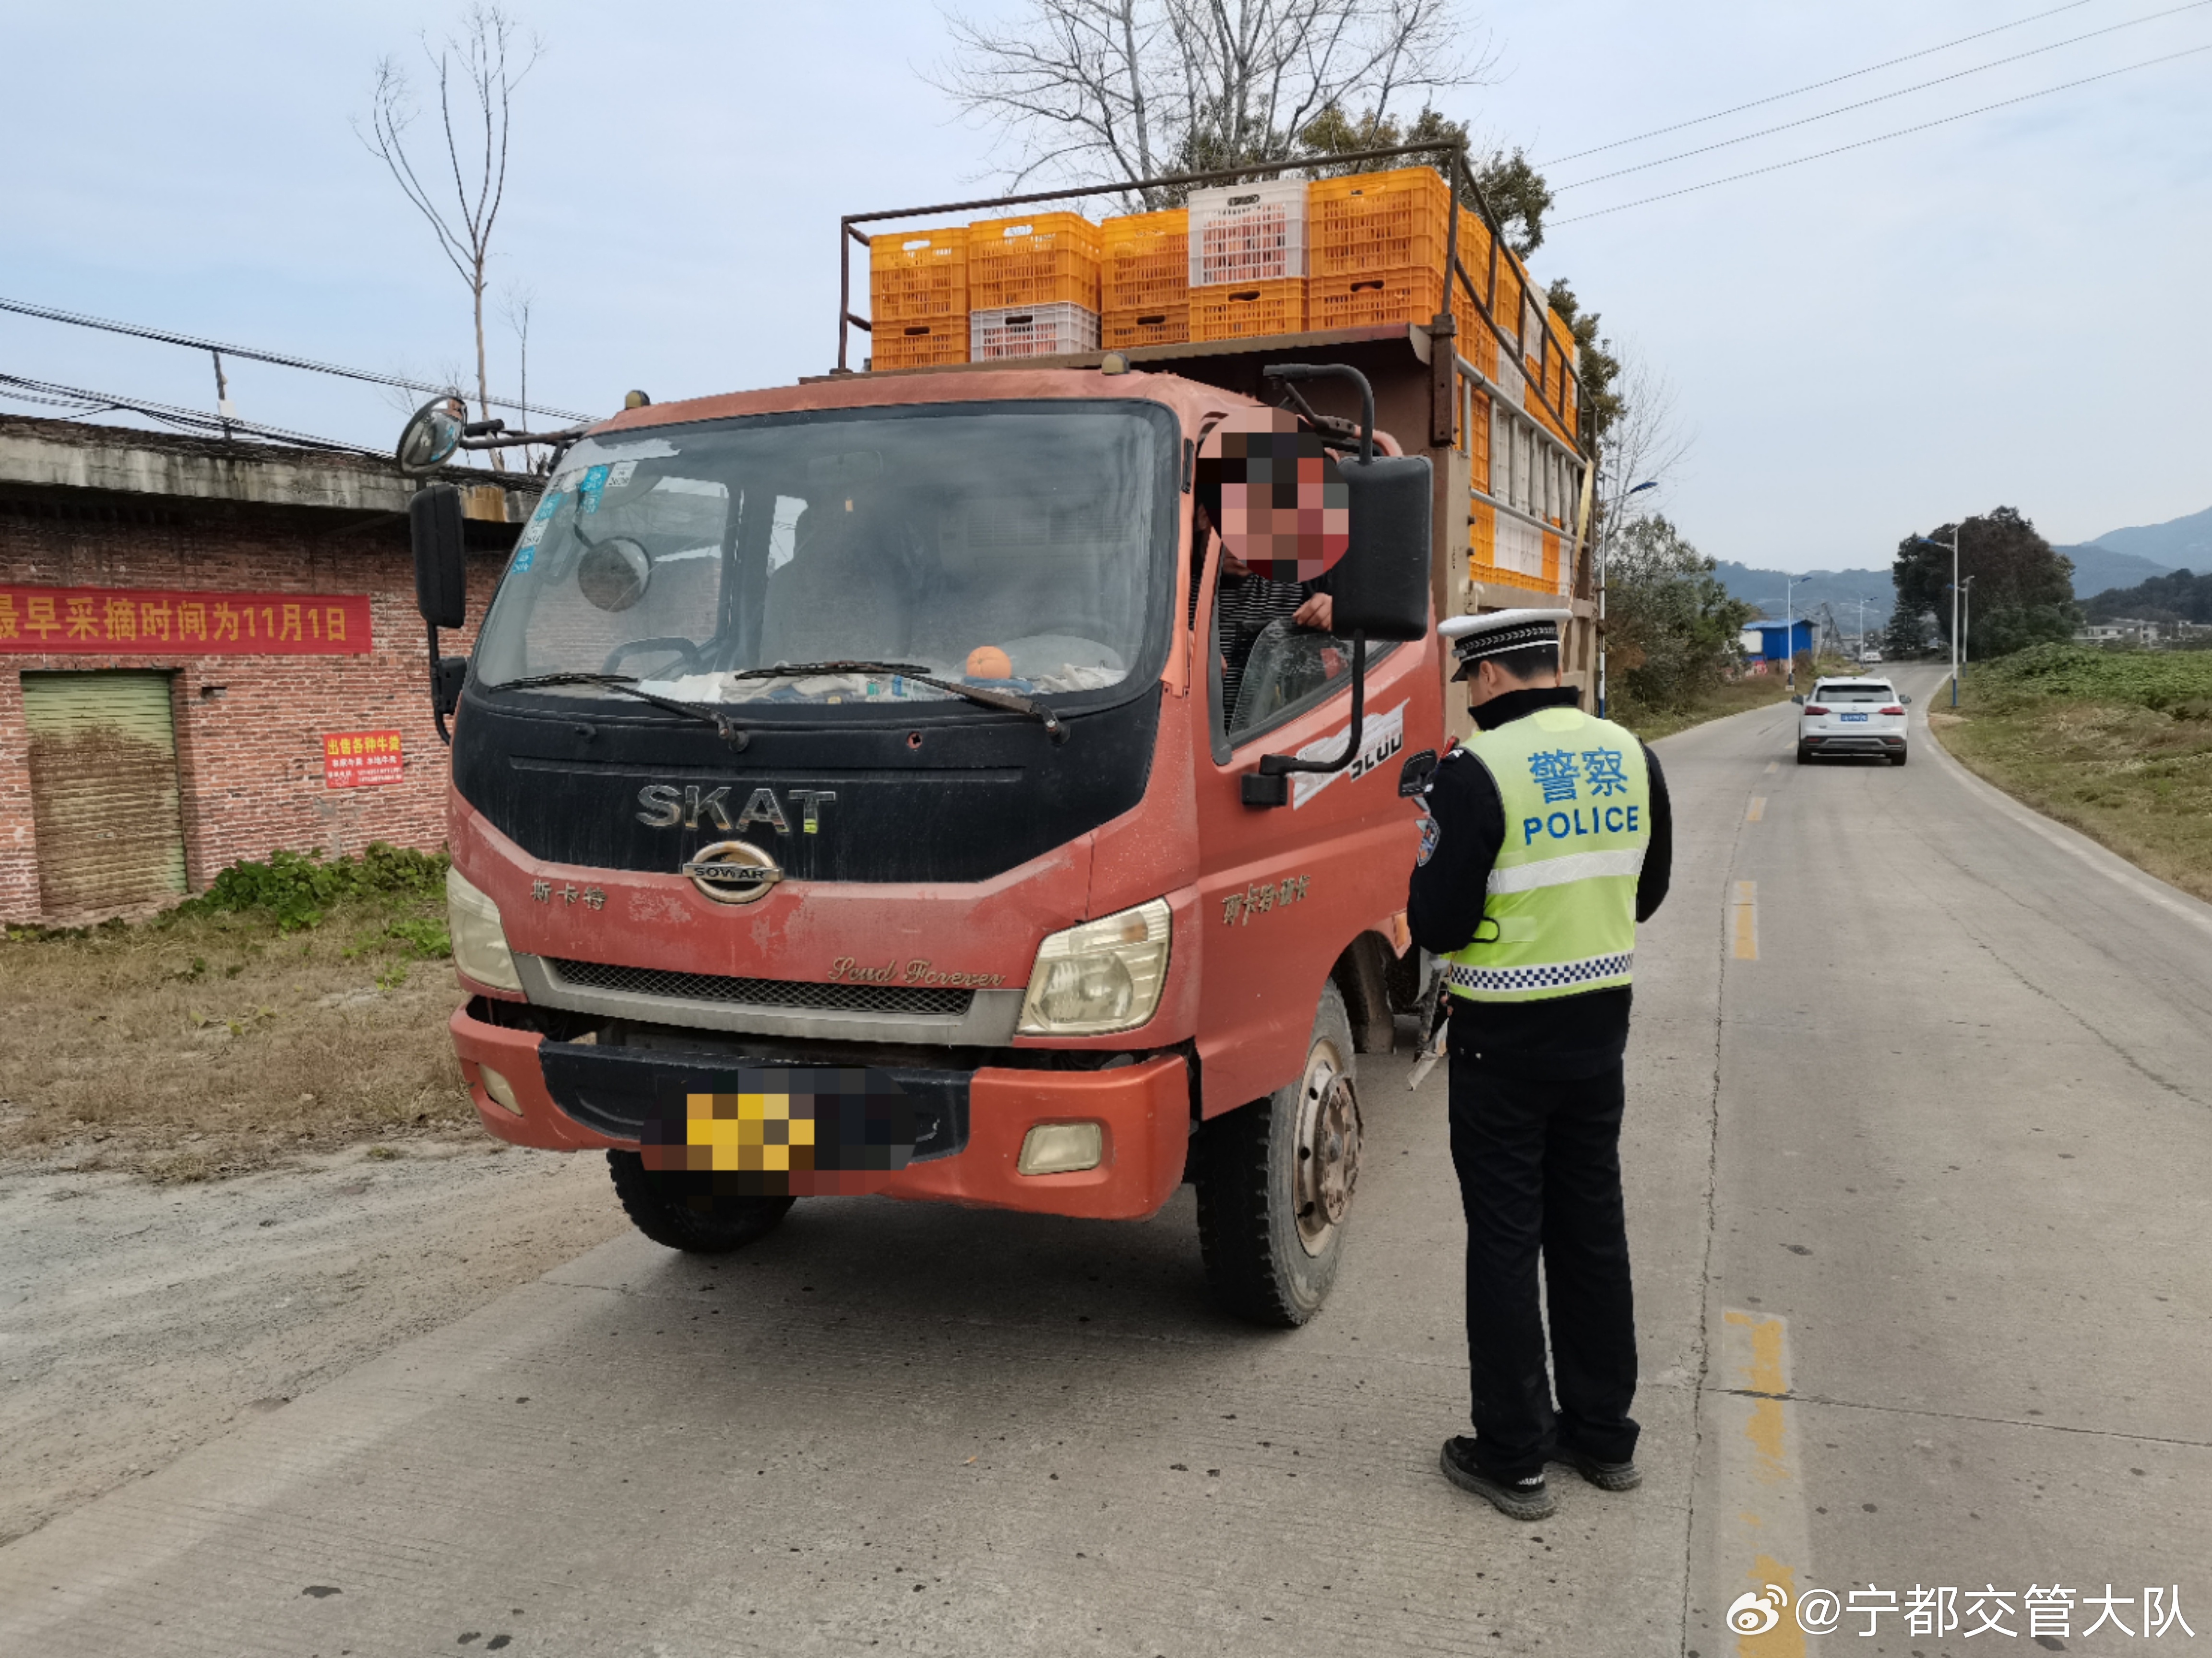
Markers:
point(1538, 1164)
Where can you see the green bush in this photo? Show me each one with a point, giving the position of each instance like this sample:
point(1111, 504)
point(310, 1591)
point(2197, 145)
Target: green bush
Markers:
point(2178, 682)
point(295, 889)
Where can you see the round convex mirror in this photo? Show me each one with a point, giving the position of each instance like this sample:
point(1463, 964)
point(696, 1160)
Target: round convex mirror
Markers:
point(431, 436)
point(613, 574)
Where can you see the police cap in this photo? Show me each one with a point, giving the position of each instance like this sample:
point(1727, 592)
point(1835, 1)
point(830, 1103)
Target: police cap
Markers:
point(1496, 633)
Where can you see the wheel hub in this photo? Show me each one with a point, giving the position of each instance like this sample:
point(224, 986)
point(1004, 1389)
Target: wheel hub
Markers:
point(1328, 1153)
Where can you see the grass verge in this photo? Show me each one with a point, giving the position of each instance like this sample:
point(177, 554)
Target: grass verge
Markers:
point(295, 1005)
point(1732, 696)
point(2116, 744)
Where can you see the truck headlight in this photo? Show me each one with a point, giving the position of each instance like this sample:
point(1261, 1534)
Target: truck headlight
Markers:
point(479, 941)
point(1103, 975)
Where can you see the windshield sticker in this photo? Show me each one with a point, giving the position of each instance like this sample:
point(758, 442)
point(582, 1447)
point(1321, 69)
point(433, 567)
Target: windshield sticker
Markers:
point(534, 532)
point(621, 475)
point(1384, 735)
point(588, 491)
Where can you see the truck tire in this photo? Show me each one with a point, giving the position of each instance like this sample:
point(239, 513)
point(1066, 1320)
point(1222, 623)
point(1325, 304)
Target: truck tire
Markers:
point(1275, 1180)
point(679, 1212)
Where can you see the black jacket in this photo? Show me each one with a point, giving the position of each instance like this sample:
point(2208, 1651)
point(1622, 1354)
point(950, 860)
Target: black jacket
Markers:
point(1563, 1036)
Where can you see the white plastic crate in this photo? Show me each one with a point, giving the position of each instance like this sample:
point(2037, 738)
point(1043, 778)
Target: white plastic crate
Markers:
point(1031, 330)
point(1247, 233)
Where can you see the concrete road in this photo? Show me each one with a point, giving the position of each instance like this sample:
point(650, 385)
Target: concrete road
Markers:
point(1919, 1153)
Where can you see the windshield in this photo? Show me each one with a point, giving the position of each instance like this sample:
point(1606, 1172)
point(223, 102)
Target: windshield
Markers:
point(1014, 547)
point(1855, 694)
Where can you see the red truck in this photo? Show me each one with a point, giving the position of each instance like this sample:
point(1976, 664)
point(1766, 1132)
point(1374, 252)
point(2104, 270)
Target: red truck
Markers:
point(843, 798)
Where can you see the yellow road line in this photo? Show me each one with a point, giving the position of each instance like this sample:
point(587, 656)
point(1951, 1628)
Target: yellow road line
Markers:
point(1765, 1547)
point(1747, 921)
point(1773, 766)
point(1757, 809)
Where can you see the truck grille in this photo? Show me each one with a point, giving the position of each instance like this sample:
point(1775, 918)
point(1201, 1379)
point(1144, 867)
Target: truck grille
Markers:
point(762, 993)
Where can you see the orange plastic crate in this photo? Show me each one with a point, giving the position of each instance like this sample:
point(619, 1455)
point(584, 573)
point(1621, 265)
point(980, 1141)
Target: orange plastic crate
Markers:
point(1145, 260)
point(1234, 312)
point(919, 345)
point(919, 277)
point(1371, 223)
point(1167, 325)
point(1381, 296)
point(1046, 258)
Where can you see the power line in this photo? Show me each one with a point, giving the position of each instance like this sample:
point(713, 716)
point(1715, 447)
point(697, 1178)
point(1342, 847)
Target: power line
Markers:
point(50, 315)
point(82, 402)
point(1881, 98)
point(2027, 97)
point(1814, 86)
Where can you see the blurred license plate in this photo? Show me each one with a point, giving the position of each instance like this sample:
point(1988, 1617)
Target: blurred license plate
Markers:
point(1850, 717)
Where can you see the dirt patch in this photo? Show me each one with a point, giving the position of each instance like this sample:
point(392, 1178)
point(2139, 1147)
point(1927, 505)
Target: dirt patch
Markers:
point(217, 1044)
point(139, 1320)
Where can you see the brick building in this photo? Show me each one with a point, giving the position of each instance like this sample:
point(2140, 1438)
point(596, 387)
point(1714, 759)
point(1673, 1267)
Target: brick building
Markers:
point(209, 650)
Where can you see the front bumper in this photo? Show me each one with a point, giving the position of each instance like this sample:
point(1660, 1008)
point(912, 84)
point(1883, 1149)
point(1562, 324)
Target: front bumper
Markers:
point(574, 1097)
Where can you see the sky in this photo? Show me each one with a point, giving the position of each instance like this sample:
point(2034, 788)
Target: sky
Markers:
point(2007, 309)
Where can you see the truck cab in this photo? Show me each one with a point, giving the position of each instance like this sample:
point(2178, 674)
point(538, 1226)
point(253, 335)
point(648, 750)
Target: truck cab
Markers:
point(856, 789)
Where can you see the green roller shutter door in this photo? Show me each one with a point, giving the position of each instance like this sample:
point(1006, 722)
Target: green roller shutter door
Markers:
point(104, 790)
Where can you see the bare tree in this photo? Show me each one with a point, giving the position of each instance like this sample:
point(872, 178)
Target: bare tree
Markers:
point(1646, 441)
point(1100, 90)
point(515, 304)
point(489, 60)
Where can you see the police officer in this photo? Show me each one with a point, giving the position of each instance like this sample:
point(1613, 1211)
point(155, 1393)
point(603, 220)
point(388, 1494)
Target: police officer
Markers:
point(1546, 839)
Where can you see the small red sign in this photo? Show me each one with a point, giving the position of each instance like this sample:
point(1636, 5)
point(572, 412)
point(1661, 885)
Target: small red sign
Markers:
point(143, 622)
point(359, 760)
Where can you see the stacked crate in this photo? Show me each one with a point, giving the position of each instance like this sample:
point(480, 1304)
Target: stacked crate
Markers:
point(918, 298)
point(1033, 286)
point(1377, 242)
point(1146, 272)
point(1247, 260)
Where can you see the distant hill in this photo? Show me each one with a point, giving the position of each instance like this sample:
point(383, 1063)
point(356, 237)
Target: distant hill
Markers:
point(2097, 569)
point(2178, 543)
point(1840, 588)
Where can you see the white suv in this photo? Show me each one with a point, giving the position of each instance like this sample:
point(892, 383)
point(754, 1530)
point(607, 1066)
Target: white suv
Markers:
point(1851, 716)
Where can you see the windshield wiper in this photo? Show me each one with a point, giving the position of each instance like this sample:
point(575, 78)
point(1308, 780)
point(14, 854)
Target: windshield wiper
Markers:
point(725, 728)
point(1012, 702)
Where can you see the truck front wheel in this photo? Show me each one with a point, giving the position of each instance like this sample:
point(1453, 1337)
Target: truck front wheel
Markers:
point(1275, 1180)
point(682, 1212)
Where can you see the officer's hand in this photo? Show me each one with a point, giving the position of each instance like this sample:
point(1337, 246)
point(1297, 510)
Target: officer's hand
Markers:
point(1316, 612)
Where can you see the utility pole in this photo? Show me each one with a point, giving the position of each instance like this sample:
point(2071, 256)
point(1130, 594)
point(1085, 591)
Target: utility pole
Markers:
point(1604, 542)
point(1790, 626)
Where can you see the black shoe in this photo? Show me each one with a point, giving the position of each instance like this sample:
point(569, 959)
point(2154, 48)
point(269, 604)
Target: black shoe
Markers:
point(1523, 1499)
point(1606, 1476)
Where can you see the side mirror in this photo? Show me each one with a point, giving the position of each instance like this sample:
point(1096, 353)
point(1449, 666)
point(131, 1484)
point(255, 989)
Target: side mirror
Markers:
point(1381, 586)
point(1905, 699)
point(442, 574)
point(1797, 700)
point(431, 436)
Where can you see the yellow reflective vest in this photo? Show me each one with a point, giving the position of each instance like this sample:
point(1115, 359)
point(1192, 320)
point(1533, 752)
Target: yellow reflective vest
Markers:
point(1559, 917)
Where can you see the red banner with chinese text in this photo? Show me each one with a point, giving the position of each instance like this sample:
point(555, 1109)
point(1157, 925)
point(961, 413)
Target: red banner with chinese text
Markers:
point(354, 760)
point(136, 621)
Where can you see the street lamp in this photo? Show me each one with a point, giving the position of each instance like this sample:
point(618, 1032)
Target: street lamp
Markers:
point(1965, 591)
point(1604, 542)
point(1864, 599)
point(1789, 629)
point(1957, 529)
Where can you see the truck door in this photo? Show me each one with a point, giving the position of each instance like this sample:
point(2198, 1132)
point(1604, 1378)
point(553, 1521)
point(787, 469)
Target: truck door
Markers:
point(1285, 890)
